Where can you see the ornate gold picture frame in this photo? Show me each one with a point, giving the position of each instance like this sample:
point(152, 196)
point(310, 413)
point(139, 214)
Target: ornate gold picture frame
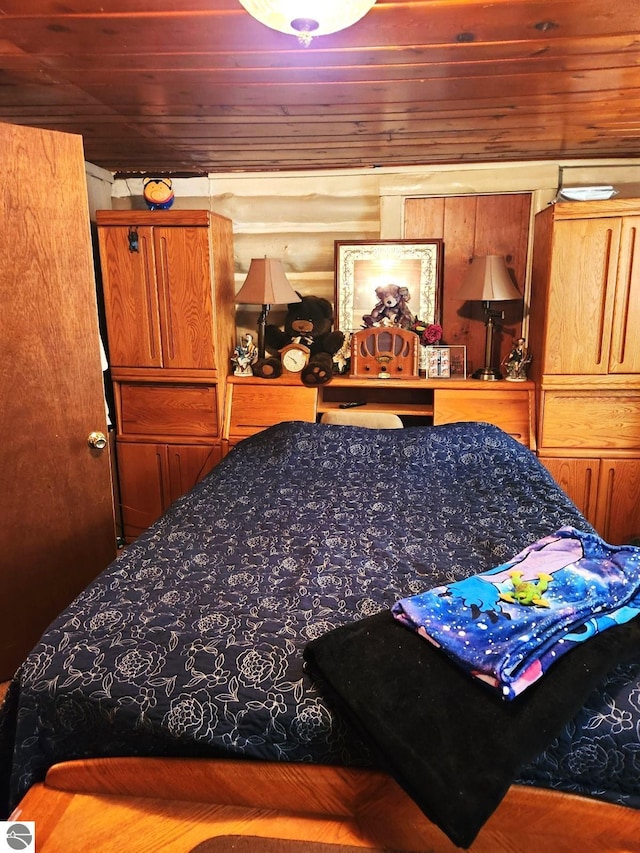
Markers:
point(365, 270)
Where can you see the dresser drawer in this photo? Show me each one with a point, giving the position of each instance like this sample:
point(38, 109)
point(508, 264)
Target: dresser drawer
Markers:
point(508, 408)
point(167, 409)
point(590, 419)
point(254, 407)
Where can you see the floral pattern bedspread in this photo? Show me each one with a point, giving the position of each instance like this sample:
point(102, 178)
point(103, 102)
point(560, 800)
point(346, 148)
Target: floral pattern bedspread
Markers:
point(191, 642)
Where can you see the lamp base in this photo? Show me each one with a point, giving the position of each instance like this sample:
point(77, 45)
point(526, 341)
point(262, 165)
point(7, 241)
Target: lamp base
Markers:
point(486, 373)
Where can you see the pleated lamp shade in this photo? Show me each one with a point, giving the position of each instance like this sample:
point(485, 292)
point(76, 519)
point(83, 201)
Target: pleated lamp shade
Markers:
point(266, 284)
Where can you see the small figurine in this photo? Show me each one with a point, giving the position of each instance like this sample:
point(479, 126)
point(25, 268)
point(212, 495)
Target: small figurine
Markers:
point(517, 361)
point(158, 193)
point(527, 592)
point(342, 358)
point(244, 356)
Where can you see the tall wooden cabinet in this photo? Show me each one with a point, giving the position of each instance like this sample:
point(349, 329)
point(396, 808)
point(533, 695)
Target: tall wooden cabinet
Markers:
point(169, 307)
point(585, 339)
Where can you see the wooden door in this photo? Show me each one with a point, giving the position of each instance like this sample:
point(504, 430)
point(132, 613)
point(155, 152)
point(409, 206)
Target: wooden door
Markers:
point(581, 296)
point(57, 529)
point(578, 478)
point(143, 487)
point(625, 342)
point(130, 295)
point(153, 475)
point(185, 293)
point(188, 464)
point(618, 517)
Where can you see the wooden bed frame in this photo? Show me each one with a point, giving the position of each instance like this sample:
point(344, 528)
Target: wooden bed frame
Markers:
point(171, 805)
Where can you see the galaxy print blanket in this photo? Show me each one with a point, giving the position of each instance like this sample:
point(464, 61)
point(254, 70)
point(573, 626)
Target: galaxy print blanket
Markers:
point(508, 625)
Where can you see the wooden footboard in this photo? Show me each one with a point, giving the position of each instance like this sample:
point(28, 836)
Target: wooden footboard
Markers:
point(154, 804)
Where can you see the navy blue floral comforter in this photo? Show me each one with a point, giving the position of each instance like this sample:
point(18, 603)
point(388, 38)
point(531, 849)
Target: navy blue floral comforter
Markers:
point(191, 642)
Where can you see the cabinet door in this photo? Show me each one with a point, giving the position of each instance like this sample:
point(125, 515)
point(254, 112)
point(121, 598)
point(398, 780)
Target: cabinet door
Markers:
point(130, 296)
point(618, 517)
point(152, 476)
point(578, 478)
point(143, 485)
point(625, 342)
point(581, 296)
point(188, 464)
point(185, 294)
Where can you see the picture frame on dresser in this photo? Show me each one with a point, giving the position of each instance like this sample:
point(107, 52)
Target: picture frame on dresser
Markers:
point(411, 270)
point(446, 362)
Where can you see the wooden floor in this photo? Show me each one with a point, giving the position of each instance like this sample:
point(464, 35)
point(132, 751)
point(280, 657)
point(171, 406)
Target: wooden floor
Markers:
point(4, 686)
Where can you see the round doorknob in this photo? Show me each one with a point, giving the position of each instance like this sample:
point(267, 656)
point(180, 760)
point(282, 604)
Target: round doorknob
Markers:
point(97, 440)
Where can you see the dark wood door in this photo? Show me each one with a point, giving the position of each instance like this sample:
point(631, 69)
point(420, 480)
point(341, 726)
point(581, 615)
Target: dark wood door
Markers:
point(185, 295)
point(153, 475)
point(57, 528)
point(127, 258)
point(158, 295)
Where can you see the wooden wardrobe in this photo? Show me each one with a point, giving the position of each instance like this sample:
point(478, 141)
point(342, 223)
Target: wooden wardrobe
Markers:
point(169, 305)
point(585, 336)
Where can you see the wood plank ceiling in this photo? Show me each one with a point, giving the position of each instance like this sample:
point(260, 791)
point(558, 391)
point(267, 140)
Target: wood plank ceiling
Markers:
point(197, 86)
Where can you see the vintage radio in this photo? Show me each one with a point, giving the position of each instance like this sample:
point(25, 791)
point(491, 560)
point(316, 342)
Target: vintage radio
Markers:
point(384, 353)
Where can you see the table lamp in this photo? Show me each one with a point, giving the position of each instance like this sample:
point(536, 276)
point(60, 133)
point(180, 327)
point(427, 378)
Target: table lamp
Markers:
point(487, 280)
point(266, 284)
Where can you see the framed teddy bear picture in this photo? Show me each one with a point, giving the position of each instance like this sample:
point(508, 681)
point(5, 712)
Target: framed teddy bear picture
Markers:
point(387, 283)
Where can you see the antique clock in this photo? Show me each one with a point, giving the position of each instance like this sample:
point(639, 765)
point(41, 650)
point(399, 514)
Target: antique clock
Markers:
point(294, 357)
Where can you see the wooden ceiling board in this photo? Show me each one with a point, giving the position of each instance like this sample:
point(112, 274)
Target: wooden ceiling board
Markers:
point(154, 86)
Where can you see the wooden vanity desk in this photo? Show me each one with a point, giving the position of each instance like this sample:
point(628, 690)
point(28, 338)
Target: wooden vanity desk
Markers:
point(253, 404)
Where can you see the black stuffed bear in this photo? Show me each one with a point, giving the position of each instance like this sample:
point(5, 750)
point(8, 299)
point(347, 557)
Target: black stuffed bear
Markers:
point(307, 322)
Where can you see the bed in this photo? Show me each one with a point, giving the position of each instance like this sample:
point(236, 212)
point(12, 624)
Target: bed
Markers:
point(180, 675)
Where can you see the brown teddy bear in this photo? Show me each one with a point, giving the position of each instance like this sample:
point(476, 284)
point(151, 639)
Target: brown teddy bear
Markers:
point(391, 308)
point(307, 322)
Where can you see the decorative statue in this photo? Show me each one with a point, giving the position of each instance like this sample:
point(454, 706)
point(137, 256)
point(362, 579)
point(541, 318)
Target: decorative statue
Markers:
point(244, 356)
point(517, 361)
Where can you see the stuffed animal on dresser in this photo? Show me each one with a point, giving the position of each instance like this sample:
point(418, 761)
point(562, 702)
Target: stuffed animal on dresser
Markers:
point(308, 340)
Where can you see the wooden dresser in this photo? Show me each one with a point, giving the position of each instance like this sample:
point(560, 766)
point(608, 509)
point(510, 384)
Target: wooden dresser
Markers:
point(169, 304)
point(254, 404)
point(585, 340)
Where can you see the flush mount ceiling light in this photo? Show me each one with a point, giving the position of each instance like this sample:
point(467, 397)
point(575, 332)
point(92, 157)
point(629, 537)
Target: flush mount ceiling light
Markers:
point(308, 18)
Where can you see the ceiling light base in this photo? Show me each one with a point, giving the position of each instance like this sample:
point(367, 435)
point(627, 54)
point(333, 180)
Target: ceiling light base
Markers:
point(307, 20)
point(305, 27)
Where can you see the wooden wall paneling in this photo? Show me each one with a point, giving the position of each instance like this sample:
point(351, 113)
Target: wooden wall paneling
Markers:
point(463, 322)
point(470, 226)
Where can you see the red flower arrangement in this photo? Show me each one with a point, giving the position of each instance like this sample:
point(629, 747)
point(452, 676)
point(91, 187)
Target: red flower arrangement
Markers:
point(430, 333)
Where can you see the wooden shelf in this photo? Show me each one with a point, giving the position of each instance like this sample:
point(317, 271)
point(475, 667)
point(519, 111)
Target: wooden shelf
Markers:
point(409, 410)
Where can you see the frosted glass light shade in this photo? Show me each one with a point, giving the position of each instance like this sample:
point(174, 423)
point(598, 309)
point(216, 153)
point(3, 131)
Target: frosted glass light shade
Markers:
point(307, 18)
